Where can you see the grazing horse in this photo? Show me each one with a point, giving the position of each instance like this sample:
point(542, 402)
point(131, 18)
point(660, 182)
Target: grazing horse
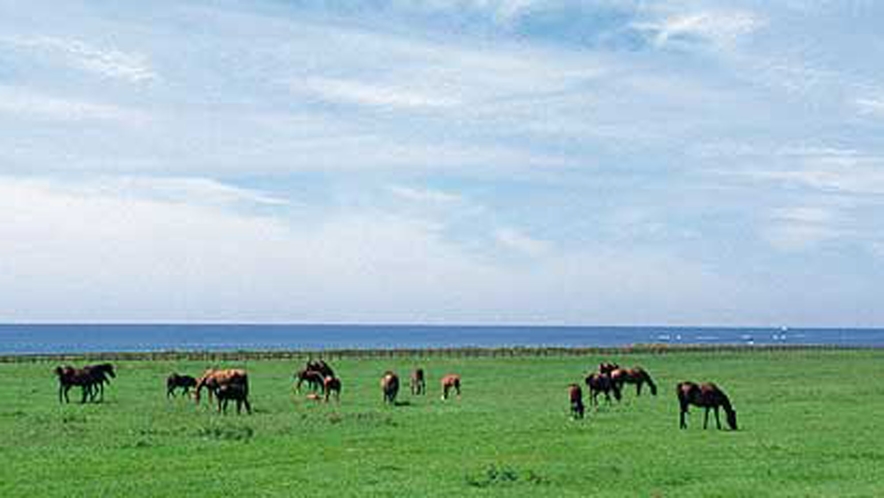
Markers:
point(449, 382)
point(320, 366)
point(332, 384)
point(101, 374)
point(575, 394)
point(174, 381)
point(607, 367)
point(601, 383)
point(708, 396)
point(637, 376)
point(418, 382)
point(313, 378)
point(390, 386)
point(237, 391)
point(212, 379)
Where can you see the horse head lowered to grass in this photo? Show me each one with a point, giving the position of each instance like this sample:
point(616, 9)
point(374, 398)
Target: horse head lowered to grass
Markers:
point(707, 396)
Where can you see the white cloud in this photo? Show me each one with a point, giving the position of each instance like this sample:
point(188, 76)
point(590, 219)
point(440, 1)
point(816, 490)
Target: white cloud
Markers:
point(370, 94)
point(425, 195)
point(871, 105)
point(720, 28)
point(106, 62)
point(514, 239)
point(25, 103)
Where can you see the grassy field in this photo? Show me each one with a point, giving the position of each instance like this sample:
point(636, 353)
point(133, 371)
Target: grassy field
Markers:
point(810, 425)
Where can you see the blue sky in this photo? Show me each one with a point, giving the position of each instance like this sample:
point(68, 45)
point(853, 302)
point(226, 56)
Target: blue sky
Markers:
point(463, 161)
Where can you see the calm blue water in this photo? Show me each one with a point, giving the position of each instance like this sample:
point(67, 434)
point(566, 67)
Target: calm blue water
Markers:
point(114, 338)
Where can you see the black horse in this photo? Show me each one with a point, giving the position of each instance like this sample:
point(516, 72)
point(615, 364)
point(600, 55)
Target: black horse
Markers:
point(175, 381)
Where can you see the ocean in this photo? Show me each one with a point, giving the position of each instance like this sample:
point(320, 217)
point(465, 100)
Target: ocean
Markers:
point(83, 338)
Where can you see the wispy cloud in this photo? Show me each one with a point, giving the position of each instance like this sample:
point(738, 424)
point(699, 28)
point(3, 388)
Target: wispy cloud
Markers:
point(372, 94)
point(719, 28)
point(106, 62)
point(514, 239)
point(25, 103)
point(425, 195)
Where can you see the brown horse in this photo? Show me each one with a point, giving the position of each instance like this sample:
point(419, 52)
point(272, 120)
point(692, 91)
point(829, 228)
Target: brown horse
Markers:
point(575, 394)
point(212, 379)
point(237, 391)
point(418, 382)
point(390, 386)
point(601, 383)
point(175, 381)
point(313, 378)
point(637, 376)
point(320, 366)
point(449, 382)
point(708, 396)
point(332, 384)
point(607, 367)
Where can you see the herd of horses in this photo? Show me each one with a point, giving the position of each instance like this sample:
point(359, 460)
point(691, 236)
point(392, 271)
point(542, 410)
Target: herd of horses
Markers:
point(610, 379)
point(319, 377)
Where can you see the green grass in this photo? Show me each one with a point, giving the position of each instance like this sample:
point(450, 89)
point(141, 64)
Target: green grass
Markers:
point(810, 425)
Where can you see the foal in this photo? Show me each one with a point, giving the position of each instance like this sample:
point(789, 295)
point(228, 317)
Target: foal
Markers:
point(330, 384)
point(418, 382)
point(576, 396)
point(449, 382)
point(174, 381)
point(390, 387)
point(601, 383)
point(708, 396)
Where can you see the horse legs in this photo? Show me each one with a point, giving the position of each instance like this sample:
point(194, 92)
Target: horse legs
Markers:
point(717, 421)
point(706, 418)
point(638, 388)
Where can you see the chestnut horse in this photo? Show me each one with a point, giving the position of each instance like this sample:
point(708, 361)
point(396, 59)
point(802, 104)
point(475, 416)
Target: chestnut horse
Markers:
point(449, 382)
point(332, 384)
point(575, 394)
point(212, 379)
point(390, 386)
point(418, 382)
point(320, 366)
point(708, 396)
point(175, 381)
point(601, 383)
point(637, 376)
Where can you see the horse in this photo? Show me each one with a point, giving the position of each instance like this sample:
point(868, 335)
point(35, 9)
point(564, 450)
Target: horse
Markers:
point(601, 383)
point(320, 366)
point(575, 394)
point(330, 384)
point(313, 378)
point(68, 377)
point(449, 382)
point(708, 396)
point(607, 367)
point(390, 386)
point(237, 391)
point(174, 381)
point(212, 379)
point(637, 376)
point(418, 382)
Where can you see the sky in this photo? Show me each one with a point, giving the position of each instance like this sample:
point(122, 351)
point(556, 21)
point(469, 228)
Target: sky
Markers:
point(582, 162)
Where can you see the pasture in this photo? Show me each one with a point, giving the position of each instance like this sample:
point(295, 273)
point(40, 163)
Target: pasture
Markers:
point(810, 425)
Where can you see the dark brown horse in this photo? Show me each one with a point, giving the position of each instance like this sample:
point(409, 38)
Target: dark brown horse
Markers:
point(237, 391)
point(601, 383)
point(390, 386)
point(708, 396)
point(175, 381)
point(418, 382)
point(607, 367)
point(313, 378)
point(637, 376)
point(332, 384)
point(101, 373)
point(69, 377)
point(575, 394)
point(320, 366)
point(449, 382)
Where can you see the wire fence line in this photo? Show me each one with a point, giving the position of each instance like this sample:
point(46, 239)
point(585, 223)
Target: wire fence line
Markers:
point(393, 353)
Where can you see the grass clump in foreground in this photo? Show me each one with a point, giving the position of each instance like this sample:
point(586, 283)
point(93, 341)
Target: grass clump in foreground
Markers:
point(808, 427)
